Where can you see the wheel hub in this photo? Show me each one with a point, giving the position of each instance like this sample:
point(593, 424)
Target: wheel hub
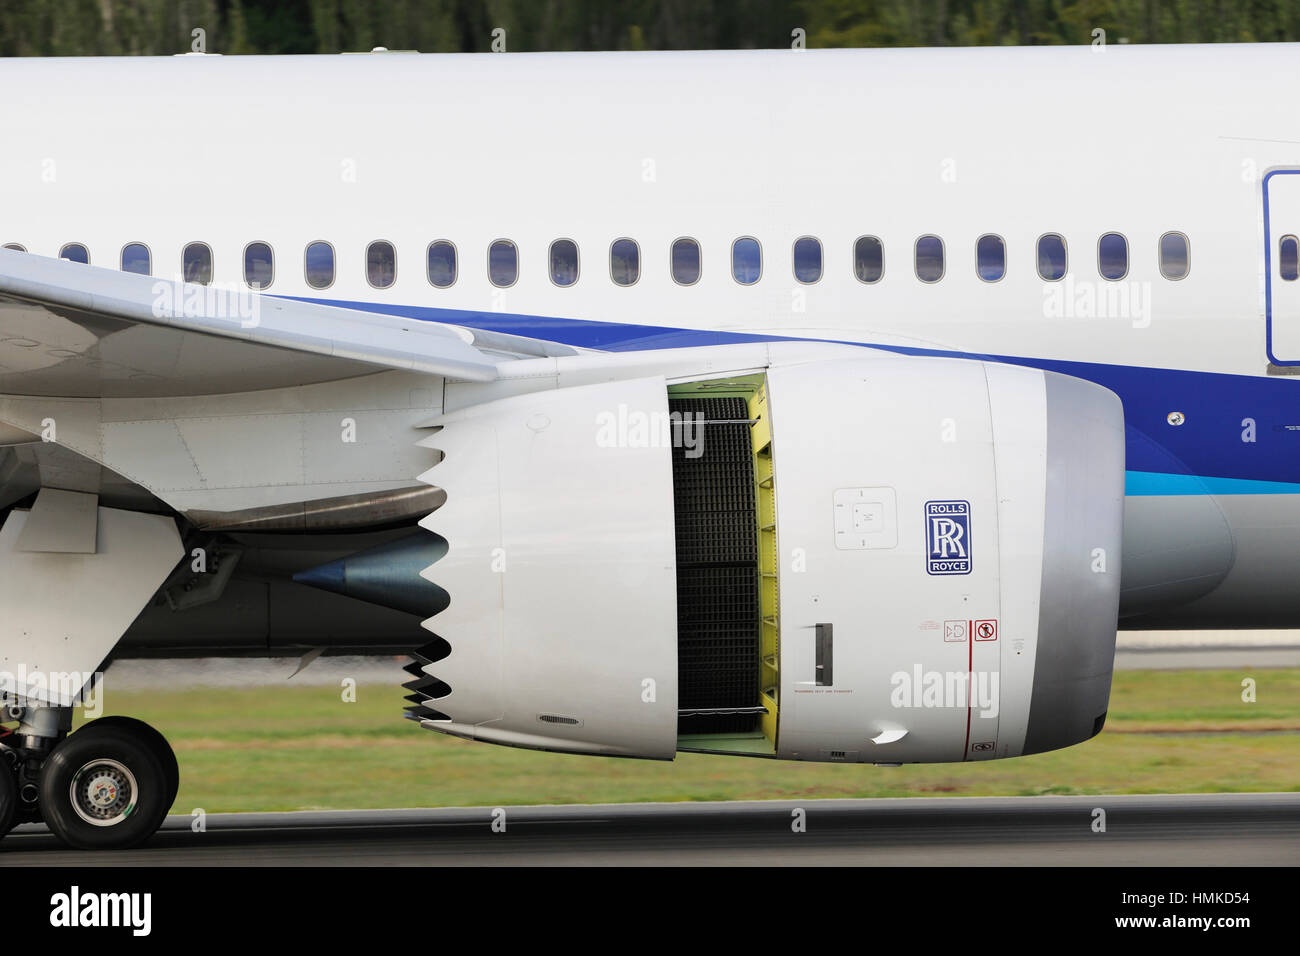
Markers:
point(103, 792)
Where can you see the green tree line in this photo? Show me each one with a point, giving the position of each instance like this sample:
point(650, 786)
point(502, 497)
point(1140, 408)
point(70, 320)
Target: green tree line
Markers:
point(135, 27)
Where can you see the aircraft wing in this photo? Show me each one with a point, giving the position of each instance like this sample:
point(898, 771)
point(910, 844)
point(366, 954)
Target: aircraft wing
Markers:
point(74, 330)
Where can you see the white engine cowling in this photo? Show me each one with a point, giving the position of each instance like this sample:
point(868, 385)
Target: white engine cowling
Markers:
point(943, 583)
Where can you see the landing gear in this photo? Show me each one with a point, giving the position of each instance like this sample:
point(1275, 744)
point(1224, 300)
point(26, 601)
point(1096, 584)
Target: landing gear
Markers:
point(105, 786)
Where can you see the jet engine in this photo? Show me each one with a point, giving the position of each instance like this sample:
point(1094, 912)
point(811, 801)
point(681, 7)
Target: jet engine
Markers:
point(879, 559)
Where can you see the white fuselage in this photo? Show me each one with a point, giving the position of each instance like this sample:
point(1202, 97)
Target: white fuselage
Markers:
point(773, 145)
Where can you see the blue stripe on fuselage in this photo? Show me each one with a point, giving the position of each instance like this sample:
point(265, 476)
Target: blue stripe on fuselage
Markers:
point(1208, 454)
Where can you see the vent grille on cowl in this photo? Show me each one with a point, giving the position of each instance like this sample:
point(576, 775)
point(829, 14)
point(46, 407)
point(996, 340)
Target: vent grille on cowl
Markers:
point(717, 569)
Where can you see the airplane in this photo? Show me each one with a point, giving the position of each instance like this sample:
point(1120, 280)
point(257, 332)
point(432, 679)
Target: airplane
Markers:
point(806, 405)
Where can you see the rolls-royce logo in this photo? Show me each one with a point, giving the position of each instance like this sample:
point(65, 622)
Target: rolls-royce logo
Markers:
point(947, 537)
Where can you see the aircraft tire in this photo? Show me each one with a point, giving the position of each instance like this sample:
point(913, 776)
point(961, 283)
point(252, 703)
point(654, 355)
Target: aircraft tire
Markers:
point(102, 788)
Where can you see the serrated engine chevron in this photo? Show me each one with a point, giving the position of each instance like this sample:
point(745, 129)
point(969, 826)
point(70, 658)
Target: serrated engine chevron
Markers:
point(426, 687)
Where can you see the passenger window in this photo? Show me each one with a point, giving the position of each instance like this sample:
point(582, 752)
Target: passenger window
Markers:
point(503, 263)
point(1175, 255)
point(75, 252)
point(686, 261)
point(1288, 258)
point(624, 261)
point(259, 265)
point(318, 265)
point(16, 247)
point(929, 258)
point(1112, 256)
point(196, 263)
point(868, 259)
point(381, 264)
point(746, 260)
point(564, 262)
point(1051, 257)
point(807, 259)
point(990, 258)
point(136, 259)
point(442, 264)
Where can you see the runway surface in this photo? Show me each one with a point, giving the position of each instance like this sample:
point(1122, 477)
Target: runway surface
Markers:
point(1200, 650)
point(1163, 830)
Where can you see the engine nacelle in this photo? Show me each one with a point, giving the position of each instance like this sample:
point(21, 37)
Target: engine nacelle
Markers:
point(879, 559)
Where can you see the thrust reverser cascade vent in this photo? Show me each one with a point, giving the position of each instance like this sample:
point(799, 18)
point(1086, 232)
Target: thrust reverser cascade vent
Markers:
point(717, 567)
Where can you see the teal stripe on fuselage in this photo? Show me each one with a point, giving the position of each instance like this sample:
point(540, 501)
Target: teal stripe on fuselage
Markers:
point(1147, 483)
